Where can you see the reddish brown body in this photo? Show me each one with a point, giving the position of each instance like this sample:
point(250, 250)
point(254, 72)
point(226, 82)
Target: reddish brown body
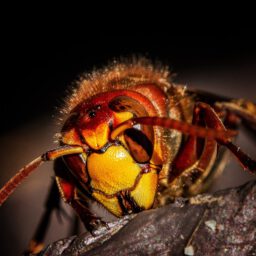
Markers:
point(132, 140)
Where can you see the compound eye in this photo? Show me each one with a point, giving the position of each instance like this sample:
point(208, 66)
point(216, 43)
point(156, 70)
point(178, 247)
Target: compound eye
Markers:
point(124, 103)
point(139, 140)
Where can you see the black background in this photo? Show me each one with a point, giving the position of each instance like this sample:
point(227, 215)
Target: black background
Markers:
point(36, 72)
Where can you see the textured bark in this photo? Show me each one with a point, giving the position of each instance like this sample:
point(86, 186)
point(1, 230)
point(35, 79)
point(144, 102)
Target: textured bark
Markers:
point(223, 223)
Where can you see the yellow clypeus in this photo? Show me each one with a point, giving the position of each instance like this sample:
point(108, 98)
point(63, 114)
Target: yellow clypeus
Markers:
point(114, 171)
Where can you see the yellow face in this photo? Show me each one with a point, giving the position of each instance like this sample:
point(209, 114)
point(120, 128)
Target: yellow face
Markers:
point(119, 182)
point(120, 174)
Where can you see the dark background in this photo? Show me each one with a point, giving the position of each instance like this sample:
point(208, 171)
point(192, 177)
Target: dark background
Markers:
point(35, 74)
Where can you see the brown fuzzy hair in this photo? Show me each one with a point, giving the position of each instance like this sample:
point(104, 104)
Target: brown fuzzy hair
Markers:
point(117, 75)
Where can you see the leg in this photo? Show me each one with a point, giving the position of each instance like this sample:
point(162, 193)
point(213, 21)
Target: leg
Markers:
point(73, 194)
point(240, 109)
point(196, 160)
point(211, 120)
point(52, 203)
point(244, 109)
